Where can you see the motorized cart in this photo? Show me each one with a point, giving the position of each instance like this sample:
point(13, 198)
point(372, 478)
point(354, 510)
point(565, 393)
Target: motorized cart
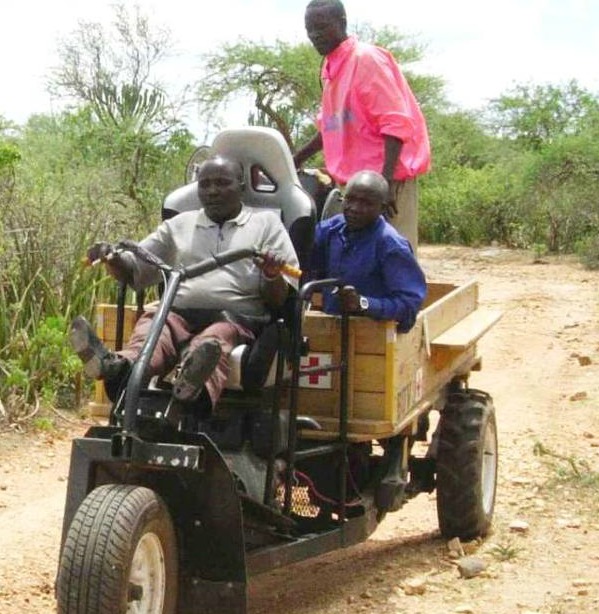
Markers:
point(328, 423)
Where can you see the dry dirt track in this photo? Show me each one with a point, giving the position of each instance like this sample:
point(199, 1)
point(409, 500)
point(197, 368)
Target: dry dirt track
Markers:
point(540, 363)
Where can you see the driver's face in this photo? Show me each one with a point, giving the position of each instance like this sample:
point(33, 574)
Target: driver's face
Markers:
point(220, 188)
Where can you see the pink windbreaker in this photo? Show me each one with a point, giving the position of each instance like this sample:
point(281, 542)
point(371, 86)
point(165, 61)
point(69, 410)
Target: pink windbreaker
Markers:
point(366, 97)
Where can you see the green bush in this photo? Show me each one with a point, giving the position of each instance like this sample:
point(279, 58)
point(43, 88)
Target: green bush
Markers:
point(588, 252)
point(471, 206)
point(68, 189)
point(43, 364)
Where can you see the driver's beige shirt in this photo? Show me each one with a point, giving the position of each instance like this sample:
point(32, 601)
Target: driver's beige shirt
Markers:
point(192, 236)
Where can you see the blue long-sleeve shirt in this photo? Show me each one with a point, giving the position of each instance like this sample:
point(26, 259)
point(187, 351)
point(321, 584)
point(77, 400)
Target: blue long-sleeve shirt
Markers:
point(377, 261)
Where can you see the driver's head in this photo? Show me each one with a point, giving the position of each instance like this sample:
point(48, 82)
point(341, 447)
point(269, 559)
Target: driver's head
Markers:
point(326, 24)
point(220, 186)
point(364, 197)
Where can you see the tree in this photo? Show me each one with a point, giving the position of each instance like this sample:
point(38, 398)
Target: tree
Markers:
point(562, 191)
point(459, 139)
point(282, 80)
point(534, 116)
point(558, 126)
point(110, 70)
point(9, 156)
point(428, 89)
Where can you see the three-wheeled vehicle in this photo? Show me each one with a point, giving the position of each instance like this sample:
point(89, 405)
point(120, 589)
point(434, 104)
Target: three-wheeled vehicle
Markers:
point(323, 429)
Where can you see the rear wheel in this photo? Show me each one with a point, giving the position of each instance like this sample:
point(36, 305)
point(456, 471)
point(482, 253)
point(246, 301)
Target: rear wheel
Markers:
point(119, 556)
point(466, 465)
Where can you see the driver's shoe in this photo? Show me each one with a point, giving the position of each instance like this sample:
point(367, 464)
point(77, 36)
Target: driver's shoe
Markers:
point(197, 367)
point(98, 361)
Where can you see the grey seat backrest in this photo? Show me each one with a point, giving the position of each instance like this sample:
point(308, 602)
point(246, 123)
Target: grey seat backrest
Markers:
point(271, 181)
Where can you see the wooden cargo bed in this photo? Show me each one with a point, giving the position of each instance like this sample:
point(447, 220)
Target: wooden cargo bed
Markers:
point(392, 376)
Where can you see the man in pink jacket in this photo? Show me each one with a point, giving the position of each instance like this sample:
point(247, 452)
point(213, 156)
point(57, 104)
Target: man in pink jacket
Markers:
point(369, 117)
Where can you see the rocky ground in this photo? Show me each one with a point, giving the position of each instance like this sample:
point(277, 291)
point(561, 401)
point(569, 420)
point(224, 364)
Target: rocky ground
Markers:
point(540, 363)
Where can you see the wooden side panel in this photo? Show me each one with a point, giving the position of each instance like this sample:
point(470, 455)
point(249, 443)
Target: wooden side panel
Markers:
point(394, 376)
point(370, 405)
point(370, 424)
point(322, 331)
point(450, 309)
point(369, 373)
point(366, 365)
point(371, 337)
point(435, 291)
point(105, 324)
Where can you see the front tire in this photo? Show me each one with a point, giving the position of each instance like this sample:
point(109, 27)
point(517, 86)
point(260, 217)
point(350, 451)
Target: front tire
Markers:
point(120, 555)
point(466, 465)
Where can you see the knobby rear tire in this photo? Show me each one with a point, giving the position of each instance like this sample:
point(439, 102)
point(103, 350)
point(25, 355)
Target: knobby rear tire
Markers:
point(466, 465)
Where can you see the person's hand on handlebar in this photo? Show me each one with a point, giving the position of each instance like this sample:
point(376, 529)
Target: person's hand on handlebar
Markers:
point(99, 252)
point(116, 266)
point(271, 265)
point(349, 299)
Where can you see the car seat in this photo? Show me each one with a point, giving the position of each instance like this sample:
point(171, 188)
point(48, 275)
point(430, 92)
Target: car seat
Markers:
point(271, 181)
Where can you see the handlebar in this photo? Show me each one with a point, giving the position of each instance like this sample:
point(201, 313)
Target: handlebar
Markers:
point(193, 270)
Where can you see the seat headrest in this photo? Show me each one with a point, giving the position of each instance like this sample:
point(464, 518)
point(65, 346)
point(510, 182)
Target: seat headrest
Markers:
point(271, 181)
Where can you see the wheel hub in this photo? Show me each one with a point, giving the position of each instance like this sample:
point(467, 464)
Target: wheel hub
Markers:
point(147, 578)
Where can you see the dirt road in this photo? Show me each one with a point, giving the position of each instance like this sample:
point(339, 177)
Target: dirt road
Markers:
point(540, 363)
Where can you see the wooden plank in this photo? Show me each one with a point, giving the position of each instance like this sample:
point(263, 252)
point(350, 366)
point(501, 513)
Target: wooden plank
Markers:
point(372, 427)
point(435, 291)
point(105, 324)
point(450, 309)
point(369, 405)
point(371, 335)
point(467, 331)
point(369, 373)
point(322, 331)
point(317, 401)
point(351, 369)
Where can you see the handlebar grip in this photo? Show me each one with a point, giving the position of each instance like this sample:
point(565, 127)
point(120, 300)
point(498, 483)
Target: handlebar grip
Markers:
point(85, 261)
point(291, 271)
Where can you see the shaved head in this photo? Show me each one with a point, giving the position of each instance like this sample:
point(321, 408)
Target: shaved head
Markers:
point(372, 181)
point(364, 198)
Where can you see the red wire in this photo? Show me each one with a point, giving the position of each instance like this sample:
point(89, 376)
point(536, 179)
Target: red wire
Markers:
point(322, 497)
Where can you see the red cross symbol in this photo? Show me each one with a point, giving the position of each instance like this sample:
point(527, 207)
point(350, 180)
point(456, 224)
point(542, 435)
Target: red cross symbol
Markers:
point(313, 378)
point(320, 378)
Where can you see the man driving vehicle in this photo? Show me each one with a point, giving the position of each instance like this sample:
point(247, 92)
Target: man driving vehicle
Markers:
point(212, 313)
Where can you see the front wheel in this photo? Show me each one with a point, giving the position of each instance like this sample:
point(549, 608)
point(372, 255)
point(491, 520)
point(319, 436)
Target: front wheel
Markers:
point(466, 465)
point(119, 556)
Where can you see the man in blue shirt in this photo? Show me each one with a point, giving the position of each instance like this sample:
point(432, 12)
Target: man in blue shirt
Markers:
point(381, 277)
